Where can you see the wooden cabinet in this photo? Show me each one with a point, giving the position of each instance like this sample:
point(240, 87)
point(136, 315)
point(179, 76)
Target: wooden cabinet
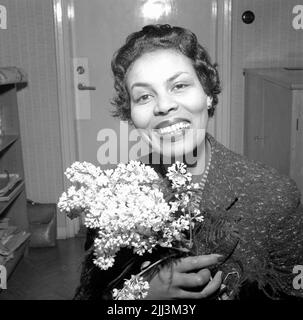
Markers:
point(13, 203)
point(273, 124)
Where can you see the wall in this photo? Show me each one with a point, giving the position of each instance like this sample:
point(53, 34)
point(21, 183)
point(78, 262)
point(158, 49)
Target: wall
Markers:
point(270, 41)
point(29, 43)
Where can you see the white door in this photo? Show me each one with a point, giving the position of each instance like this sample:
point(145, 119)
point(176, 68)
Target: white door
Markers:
point(99, 28)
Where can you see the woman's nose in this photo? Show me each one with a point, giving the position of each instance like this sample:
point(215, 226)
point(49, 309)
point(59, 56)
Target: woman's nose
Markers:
point(165, 104)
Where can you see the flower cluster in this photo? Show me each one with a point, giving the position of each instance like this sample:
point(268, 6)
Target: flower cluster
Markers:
point(129, 208)
point(178, 175)
point(134, 288)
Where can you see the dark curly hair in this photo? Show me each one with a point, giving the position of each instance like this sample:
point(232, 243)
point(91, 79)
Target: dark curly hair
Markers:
point(154, 37)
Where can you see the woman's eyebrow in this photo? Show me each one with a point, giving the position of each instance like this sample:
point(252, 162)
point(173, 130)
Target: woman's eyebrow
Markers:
point(170, 79)
point(176, 75)
point(139, 84)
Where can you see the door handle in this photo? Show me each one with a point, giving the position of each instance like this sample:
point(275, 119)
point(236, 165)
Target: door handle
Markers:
point(81, 86)
point(257, 138)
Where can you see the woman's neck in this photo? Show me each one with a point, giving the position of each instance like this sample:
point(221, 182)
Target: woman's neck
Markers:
point(197, 169)
point(197, 163)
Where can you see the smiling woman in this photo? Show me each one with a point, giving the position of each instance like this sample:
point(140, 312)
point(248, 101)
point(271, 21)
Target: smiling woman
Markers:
point(250, 239)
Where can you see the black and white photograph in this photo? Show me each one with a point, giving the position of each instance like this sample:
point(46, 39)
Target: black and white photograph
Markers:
point(151, 150)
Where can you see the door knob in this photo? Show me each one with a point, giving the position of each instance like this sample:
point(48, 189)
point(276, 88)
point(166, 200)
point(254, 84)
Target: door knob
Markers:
point(80, 70)
point(81, 86)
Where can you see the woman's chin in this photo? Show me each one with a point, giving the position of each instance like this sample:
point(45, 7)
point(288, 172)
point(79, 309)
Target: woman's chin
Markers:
point(180, 153)
point(177, 148)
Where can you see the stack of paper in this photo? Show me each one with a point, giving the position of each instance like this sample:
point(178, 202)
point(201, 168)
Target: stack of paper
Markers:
point(11, 238)
point(7, 182)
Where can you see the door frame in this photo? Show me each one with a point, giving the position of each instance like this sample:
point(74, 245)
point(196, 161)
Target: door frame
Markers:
point(63, 14)
point(64, 40)
point(223, 57)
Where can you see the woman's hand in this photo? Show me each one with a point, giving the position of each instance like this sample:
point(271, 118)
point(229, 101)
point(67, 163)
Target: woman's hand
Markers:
point(188, 278)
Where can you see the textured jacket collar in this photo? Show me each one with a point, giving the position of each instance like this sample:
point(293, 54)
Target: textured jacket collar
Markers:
point(220, 180)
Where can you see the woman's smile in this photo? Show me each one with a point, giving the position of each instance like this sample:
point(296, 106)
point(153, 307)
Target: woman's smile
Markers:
point(173, 128)
point(168, 103)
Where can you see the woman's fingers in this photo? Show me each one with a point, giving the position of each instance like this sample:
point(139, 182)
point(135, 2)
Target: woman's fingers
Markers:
point(145, 264)
point(192, 280)
point(207, 291)
point(213, 285)
point(183, 294)
point(189, 278)
point(197, 262)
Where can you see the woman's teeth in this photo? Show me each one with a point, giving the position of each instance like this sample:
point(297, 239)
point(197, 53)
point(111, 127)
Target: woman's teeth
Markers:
point(174, 129)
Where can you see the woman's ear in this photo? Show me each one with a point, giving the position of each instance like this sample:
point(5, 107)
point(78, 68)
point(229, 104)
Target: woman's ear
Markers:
point(209, 102)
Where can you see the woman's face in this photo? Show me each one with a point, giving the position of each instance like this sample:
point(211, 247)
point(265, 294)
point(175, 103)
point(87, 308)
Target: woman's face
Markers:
point(168, 103)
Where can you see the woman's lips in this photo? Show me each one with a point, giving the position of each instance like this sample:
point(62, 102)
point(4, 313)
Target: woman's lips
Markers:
point(170, 122)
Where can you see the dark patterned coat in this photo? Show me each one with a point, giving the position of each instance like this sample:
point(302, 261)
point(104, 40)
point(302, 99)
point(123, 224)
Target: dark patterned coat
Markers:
point(254, 217)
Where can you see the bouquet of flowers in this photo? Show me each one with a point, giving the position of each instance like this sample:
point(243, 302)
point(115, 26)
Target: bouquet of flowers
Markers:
point(133, 207)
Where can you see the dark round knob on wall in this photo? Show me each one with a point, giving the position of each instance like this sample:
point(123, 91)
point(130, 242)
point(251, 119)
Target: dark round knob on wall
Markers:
point(248, 17)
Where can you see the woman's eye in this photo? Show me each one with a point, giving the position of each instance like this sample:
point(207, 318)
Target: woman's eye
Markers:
point(180, 86)
point(144, 98)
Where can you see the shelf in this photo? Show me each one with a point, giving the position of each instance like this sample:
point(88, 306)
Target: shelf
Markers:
point(6, 141)
point(17, 255)
point(4, 204)
point(11, 75)
point(13, 195)
point(8, 183)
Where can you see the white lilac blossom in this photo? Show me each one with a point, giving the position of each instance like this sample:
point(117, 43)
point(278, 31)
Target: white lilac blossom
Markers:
point(134, 288)
point(178, 175)
point(128, 207)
